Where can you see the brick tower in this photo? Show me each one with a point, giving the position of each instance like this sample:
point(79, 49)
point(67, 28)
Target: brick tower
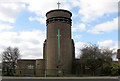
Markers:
point(58, 50)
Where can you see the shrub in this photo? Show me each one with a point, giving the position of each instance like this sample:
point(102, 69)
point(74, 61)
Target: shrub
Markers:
point(115, 69)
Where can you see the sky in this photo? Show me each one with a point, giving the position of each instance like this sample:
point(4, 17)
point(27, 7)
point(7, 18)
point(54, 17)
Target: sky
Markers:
point(23, 24)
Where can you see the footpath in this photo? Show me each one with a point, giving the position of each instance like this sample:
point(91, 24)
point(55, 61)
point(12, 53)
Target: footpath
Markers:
point(61, 77)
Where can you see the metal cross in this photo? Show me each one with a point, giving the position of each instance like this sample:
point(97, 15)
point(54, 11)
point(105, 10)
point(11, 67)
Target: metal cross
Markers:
point(58, 44)
point(58, 5)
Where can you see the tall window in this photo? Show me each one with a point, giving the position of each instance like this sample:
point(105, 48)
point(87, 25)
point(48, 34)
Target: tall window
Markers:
point(30, 66)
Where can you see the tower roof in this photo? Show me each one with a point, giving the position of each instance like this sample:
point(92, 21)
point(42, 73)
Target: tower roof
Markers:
point(59, 10)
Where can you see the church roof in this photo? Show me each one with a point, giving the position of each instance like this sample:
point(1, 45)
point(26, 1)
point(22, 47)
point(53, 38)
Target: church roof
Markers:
point(26, 59)
point(29, 59)
point(59, 10)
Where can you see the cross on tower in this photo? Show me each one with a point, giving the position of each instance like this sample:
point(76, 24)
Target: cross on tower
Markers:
point(58, 44)
point(58, 5)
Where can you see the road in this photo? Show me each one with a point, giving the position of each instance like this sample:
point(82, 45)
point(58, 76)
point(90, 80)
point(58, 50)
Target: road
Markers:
point(60, 80)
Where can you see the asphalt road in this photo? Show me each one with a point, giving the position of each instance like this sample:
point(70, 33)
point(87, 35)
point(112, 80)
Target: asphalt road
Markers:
point(60, 80)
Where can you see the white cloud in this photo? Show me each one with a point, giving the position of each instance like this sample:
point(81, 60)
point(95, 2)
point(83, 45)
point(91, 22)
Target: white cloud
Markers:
point(30, 43)
point(42, 20)
point(78, 36)
point(78, 46)
point(92, 9)
point(108, 44)
point(89, 9)
point(105, 27)
point(79, 27)
point(5, 27)
point(10, 10)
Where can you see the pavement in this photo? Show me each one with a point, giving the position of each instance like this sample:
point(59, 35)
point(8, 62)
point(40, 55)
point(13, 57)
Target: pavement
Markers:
point(60, 80)
point(61, 77)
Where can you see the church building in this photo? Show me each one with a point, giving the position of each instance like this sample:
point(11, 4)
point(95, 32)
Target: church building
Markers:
point(58, 47)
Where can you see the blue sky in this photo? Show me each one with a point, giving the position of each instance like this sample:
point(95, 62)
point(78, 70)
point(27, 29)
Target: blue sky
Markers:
point(23, 24)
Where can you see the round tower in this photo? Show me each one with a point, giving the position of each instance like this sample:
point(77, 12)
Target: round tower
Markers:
point(59, 46)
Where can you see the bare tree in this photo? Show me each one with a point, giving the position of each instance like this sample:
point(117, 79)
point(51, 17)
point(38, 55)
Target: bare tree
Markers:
point(9, 59)
point(106, 56)
point(94, 57)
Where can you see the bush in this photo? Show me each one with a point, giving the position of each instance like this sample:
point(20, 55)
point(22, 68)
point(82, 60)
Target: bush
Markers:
point(115, 69)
